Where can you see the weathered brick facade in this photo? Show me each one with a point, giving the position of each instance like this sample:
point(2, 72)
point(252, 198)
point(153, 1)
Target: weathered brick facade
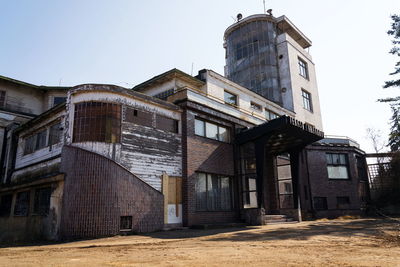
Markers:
point(98, 192)
point(321, 186)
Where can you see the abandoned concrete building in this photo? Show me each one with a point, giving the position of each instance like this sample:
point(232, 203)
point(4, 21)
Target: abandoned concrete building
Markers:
point(96, 160)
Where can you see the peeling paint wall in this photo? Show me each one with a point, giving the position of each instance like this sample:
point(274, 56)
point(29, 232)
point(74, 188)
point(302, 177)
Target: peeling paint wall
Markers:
point(145, 150)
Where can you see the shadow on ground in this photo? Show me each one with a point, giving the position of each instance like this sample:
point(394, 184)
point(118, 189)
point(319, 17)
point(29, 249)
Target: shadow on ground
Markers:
point(339, 228)
point(345, 228)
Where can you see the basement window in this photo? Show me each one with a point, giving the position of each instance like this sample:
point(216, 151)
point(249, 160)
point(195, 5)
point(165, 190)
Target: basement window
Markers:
point(342, 202)
point(320, 203)
point(125, 223)
point(42, 201)
point(22, 204)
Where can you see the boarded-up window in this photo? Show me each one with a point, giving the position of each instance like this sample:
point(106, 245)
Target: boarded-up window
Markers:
point(42, 201)
point(140, 117)
point(97, 121)
point(213, 192)
point(2, 99)
point(5, 205)
point(22, 204)
point(166, 124)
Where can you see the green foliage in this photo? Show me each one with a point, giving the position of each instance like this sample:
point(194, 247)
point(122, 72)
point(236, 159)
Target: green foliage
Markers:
point(395, 32)
point(394, 136)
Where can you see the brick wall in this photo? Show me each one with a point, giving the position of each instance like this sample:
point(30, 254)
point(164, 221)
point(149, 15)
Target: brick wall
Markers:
point(205, 155)
point(321, 186)
point(98, 191)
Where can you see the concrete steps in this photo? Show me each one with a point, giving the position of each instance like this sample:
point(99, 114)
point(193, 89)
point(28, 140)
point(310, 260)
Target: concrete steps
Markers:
point(278, 219)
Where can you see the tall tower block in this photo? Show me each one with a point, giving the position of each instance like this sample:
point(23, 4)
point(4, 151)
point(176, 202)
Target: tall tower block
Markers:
point(268, 56)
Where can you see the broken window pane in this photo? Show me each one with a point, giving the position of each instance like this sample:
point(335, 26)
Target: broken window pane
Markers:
point(22, 204)
point(42, 201)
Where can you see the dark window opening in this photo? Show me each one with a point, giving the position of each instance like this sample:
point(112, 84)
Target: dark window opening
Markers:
point(97, 121)
point(22, 204)
point(213, 192)
point(55, 134)
point(125, 223)
point(320, 203)
point(5, 205)
point(342, 202)
point(42, 201)
point(41, 139)
point(2, 99)
point(166, 124)
point(164, 95)
point(58, 100)
point(361, 169)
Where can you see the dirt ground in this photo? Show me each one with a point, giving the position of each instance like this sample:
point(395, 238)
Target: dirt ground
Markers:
point(360, 242)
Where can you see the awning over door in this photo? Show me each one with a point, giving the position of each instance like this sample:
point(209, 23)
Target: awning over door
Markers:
point(281, 135)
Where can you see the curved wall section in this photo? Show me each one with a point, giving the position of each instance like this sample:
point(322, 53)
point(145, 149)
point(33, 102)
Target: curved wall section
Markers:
point(98, 192)
point(251, 57)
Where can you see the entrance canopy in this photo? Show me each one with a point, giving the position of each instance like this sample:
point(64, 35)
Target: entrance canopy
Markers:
point(281, 135)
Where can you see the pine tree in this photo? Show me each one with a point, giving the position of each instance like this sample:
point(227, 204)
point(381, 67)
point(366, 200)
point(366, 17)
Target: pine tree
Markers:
point(394, 136)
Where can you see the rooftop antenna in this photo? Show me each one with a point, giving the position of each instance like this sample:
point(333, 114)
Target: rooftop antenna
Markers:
point(191, 73)
point(264, 5)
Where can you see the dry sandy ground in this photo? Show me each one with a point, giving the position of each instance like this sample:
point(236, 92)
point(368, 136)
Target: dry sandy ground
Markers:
point(362, 242)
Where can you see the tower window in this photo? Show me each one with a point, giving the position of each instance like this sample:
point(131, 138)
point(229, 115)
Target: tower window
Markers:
point(307, 103)
point(303, 68)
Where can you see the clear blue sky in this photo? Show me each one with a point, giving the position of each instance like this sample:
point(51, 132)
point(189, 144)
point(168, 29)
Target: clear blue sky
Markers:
point(127, 42)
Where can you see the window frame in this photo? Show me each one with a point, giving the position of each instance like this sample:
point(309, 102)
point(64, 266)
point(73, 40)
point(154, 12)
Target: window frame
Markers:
point(218, 200)
point(303, 68)
point(255, 106)
point(307, 100)
point(204, 134)
point(270, 115)
point(346, 164)
point(235, 104)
